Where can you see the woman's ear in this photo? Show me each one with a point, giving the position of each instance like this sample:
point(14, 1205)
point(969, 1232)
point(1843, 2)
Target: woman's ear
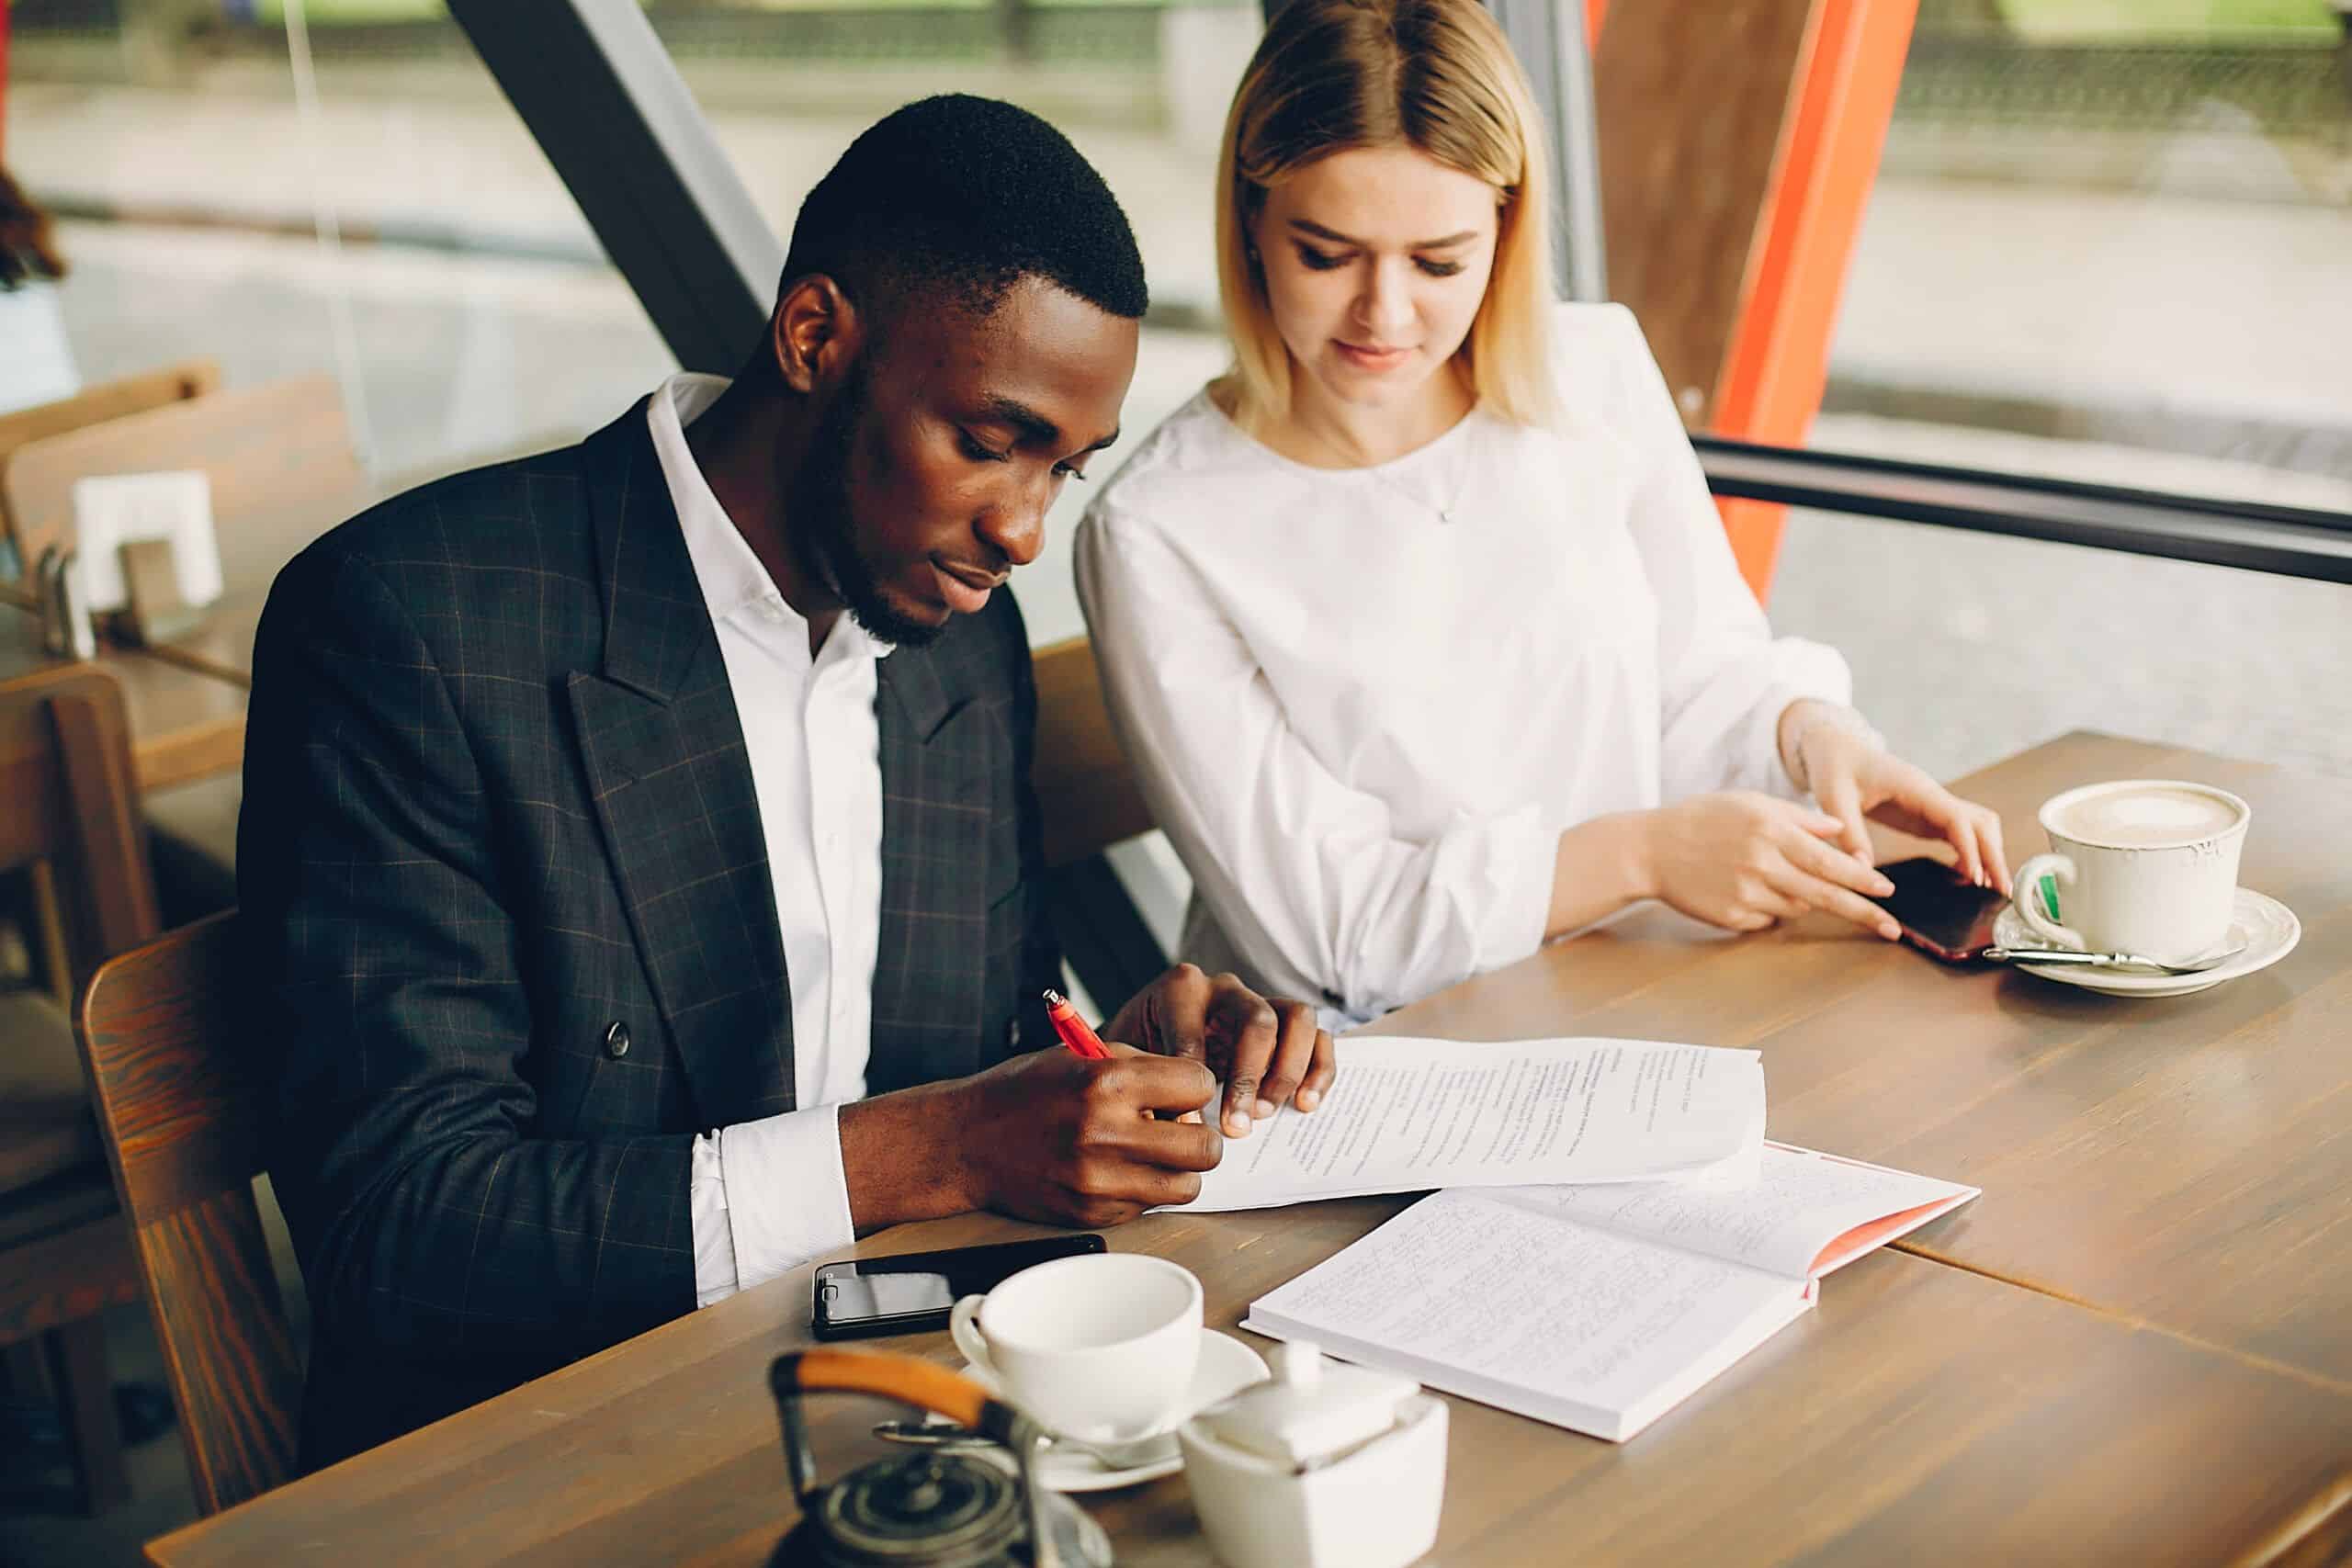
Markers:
point(815, 333)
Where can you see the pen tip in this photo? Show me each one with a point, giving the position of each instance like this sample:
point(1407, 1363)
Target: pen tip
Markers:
point(1053, 997)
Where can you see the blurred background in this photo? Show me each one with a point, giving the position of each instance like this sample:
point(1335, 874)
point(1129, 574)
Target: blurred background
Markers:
point(2107, 241)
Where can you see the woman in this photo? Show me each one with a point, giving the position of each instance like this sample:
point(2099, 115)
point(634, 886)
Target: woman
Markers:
point(1419, 623)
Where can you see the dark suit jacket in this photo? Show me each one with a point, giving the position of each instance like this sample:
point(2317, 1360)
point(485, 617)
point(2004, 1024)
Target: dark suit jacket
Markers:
point(510, 922)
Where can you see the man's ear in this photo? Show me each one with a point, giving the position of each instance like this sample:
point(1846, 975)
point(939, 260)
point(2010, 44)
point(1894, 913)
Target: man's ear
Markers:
point(815, 333)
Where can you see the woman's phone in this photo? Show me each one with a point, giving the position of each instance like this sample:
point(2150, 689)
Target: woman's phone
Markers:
point(1941, 912)
point(915, 1292)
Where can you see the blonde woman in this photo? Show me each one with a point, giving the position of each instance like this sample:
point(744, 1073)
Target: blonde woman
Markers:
point(1419, 623)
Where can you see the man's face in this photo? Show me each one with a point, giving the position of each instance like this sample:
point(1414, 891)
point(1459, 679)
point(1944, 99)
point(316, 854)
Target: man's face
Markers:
point(937, 457)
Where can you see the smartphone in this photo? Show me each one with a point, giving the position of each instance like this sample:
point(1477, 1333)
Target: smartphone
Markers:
point(1940, 911)
point(915, 1292)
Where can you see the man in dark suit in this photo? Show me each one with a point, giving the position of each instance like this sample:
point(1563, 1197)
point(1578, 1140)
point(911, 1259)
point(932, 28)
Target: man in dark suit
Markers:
point(638, 858)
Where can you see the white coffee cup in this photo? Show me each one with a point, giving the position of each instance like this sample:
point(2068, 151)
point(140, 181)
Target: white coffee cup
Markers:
point(1101, 1346)
point(2146, 866)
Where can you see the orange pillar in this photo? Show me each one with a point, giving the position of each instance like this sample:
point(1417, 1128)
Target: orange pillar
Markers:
point(1778, 360)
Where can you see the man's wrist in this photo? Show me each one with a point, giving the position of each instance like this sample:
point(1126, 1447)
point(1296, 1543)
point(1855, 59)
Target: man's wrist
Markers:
point(903, 1158)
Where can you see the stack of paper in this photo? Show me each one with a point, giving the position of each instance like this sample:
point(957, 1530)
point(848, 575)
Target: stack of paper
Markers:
point(1407, 1116)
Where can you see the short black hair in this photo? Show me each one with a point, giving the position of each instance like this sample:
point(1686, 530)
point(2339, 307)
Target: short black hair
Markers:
point(965, 195)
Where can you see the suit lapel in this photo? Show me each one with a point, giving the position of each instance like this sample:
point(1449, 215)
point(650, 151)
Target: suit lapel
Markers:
point(661, 748)
point(940, 759)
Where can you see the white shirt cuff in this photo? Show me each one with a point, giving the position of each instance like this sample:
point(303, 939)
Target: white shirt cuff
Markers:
point(767, 1196)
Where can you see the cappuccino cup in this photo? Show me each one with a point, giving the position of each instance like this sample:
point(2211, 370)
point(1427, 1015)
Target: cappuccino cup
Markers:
point(2146, 866)
point(1100, 1346)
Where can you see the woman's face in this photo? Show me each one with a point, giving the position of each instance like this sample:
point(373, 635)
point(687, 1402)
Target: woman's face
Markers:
point(1375, 260)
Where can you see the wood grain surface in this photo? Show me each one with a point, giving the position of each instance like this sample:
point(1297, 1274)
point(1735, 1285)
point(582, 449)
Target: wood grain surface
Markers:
point(2184, 1160)
point(2134, 1349)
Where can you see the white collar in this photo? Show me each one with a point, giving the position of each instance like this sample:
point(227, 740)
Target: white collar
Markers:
point(731, 576)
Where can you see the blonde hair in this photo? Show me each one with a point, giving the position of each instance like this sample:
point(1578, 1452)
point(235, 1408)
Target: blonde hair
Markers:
point(1435, 76)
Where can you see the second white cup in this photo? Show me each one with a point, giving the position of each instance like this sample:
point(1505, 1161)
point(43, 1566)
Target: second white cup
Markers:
point(1101, 1347)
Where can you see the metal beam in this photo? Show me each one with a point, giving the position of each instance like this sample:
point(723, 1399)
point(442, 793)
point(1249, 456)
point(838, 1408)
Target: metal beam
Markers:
point(1549, 37)
point(600, 93)
point(2289, 540)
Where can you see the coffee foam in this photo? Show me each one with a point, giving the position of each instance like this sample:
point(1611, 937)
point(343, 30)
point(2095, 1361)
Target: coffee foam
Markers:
point(2138, 817)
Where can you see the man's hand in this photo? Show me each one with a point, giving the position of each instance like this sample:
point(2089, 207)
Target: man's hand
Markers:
point(1047, 1135)
point(1268, 1053)
point(1052, 1136)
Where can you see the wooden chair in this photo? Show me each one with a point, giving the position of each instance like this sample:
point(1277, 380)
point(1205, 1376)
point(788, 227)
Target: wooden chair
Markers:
point(272, 452)
point(183, 1100)
point(1088, 800)
point(108, 400)
point(64, 1252)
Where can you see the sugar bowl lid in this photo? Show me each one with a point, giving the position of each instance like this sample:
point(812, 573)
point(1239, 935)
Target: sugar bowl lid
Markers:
point(1311, 1409)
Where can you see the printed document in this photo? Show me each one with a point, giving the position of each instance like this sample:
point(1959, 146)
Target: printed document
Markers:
point(1410, 1114)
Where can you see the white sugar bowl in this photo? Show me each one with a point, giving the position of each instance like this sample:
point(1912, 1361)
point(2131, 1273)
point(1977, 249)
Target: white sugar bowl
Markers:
point(1325, 1465)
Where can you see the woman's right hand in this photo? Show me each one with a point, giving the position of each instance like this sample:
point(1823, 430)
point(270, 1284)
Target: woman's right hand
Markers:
point(1743, 859)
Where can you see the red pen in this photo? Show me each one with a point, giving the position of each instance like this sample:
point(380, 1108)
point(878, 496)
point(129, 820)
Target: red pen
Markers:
point(1074, 1029)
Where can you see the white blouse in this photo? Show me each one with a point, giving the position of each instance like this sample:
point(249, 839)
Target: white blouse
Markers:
point(1364, 727)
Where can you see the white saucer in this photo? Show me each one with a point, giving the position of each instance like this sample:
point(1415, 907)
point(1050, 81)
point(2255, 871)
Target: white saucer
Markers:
point(2268, 929)
point(1226, 1367)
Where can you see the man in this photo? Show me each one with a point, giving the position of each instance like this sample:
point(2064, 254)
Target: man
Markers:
point(619, 820)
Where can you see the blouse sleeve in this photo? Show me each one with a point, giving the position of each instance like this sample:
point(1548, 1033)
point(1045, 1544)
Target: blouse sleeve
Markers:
point(1724, 679)
point(1306, 874)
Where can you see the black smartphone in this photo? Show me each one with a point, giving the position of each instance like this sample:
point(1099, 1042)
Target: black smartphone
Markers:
point(915, 1292)
point(1940, 911)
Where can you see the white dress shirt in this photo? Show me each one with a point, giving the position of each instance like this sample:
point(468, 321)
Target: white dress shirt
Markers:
point(1365, 727)
point(768, 1194)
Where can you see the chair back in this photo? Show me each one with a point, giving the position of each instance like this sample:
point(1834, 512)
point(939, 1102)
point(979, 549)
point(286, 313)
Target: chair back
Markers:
point(1086, 792)
point(183, 1099)
point(279, 458)
point(71, 804)
point(108, 400)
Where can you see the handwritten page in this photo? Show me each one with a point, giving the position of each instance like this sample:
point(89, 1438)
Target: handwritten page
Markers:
point(1514, 1308)
point(1789, 1222)
point(1407, 1114)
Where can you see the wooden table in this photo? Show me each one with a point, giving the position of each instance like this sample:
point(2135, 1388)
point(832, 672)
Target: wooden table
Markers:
point(188, 696)
point(184, 724)
point(1920, 1412)
point(2128, 1350)
point(2185, 1161)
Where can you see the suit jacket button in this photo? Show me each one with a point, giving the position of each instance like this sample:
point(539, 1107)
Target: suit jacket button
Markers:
point(616, 1041)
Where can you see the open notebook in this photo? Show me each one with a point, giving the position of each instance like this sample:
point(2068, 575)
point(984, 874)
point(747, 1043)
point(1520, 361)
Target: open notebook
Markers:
point(1598, 1308)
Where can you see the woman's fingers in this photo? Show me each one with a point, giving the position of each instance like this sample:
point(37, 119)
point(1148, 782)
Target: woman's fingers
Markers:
point(1794, 880)
point(1996, 855)
point(1832, 864)
point(1842, 796)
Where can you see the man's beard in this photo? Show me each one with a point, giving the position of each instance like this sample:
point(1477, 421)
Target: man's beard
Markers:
point(818, 506)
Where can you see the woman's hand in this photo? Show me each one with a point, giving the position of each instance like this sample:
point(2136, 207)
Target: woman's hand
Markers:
point(1743, 859)
point(1853, 777)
